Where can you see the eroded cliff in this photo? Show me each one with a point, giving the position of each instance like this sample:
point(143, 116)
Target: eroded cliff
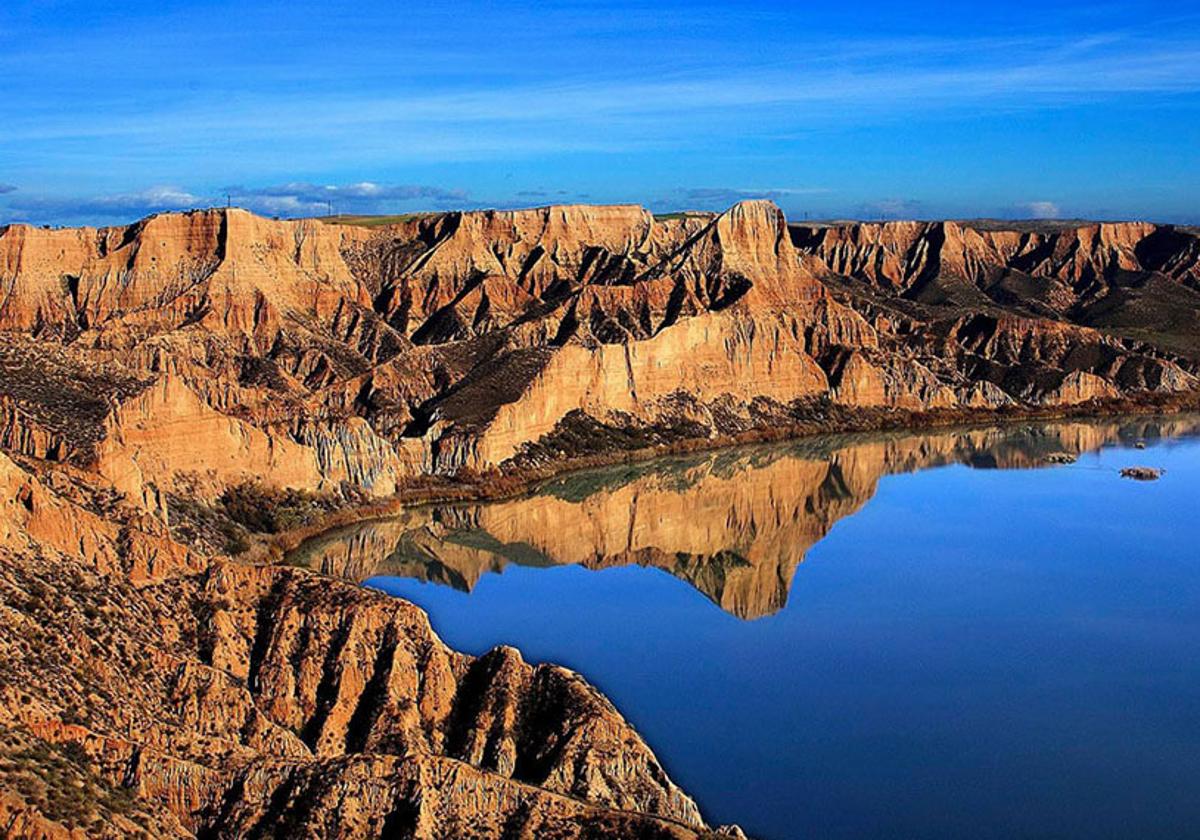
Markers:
point(233, 700)
point(211, 346)
point(151, 373)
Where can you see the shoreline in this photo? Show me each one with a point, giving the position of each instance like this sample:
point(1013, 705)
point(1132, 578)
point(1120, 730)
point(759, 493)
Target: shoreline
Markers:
point(272, 549)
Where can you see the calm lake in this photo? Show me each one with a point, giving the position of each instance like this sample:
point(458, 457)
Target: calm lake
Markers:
point(904, 635)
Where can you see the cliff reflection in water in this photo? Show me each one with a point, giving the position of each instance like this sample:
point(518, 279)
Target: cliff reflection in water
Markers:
point(735, 524)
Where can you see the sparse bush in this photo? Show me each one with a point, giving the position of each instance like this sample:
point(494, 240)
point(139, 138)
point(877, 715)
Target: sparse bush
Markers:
point(265, 510)
point(253, 508)
point(74, 752)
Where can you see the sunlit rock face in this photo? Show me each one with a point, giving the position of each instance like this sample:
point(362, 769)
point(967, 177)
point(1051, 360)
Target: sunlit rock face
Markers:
point(148, 371)
point(901, 255)
point(733, 524)
point(228, 699)
point(308, 355)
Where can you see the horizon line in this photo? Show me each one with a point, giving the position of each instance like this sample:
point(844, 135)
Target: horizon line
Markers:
point(661, 215)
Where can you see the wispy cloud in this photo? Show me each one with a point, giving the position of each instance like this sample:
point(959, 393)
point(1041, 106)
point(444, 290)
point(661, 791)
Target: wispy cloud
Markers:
point(103, 207)
point(1043, 209)
point(891, 208)
point(733, 194)
point(539, 194)
point(304, 199)
point(720, 198)
point(295, 199)
point(861, 83)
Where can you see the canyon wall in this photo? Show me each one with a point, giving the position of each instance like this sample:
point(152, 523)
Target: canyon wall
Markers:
point(201, 697)
point(155, 376)
point(312, 355)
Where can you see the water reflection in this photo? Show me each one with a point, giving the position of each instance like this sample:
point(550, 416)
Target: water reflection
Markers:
point(735, 524)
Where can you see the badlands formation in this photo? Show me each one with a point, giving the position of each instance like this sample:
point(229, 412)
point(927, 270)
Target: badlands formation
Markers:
point(171, 389)
point(191, 352)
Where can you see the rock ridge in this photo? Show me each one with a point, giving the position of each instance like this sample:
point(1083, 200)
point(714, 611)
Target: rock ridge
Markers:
point(230, 700)
point(152, 374)
point(463, 342)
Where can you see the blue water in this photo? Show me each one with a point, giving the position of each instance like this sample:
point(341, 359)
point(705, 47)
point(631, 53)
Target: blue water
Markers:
point(974, 652)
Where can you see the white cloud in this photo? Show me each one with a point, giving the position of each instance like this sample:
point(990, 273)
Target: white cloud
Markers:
point(302, 198)
point(294, 199)
point(1043, 210)
point(151, 200)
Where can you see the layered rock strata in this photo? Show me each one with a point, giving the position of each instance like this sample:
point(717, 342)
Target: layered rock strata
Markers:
point(200, 349)
point(148, 371)
point(220, 699)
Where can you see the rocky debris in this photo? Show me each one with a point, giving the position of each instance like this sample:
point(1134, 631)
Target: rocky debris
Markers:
point(1060, 458)
point(1142, 473)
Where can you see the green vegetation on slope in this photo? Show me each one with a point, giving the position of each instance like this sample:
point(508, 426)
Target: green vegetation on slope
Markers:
point(371, 221)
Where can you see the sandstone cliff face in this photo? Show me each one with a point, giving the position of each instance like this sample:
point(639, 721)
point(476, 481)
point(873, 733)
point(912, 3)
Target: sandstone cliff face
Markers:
point(310, 355)
point(148, 372)
point(235, 699)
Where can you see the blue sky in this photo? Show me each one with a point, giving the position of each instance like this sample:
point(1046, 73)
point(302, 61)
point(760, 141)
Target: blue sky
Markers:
point(871, 109)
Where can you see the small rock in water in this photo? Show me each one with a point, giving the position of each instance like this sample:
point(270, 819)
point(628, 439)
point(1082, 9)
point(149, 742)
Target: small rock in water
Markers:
point(1141, 473)
point(1141, 444)
point(1060, 458)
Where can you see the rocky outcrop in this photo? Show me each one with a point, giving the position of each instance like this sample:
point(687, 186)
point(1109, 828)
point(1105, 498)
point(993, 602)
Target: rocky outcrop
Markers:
point(245, 699)
point(153, 375)
point(905, 255)
point(48, 792)
point(1132, 280)
point(216, 345)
